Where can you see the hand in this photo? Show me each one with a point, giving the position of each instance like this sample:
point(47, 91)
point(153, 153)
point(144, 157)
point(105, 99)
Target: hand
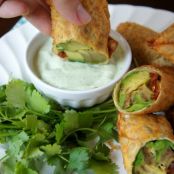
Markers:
point(38, 12)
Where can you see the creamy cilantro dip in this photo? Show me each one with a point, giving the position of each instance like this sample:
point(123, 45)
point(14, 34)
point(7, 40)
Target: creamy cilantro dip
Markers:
point(72, 75)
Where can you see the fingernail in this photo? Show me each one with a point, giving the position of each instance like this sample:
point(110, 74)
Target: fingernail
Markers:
point(83, 15)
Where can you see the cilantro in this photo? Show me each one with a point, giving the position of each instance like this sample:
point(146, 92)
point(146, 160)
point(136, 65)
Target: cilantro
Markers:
point(33, 147)
point(52, 150)
point(38, 103)
point(15, 144)
point(96, 167)
point(15, 92)
point(71, 120)
point(21, 169)
point(59, 132)
point(37, 131)
point(79, 158)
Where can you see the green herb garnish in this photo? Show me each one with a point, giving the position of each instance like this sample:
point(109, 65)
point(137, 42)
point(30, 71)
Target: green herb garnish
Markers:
point(36, 132)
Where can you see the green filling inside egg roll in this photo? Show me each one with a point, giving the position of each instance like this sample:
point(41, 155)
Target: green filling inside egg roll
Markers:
point(138, 90)
point(156, 157)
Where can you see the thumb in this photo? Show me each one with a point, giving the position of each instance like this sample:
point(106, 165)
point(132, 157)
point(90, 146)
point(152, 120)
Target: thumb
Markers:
point(73, 11)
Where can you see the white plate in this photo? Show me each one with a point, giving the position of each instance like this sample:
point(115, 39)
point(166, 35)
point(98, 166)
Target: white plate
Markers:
point(13, 45)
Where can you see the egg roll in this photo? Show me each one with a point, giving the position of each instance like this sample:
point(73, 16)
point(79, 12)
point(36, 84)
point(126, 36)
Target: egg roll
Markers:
point(140, 39)
point(88, 43)
point(145, 89)
point(147, 144)
point(164, 44)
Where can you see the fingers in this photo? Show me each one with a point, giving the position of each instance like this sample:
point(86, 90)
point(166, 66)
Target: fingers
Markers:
point(13, 8)
point(40, 18)
point(73, 11)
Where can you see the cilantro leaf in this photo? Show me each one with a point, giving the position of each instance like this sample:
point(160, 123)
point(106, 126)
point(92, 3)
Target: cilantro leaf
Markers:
point(96, 167)
point(71, 120)
point(21, 169)
point(38, 103)
point(32, 149)
point(8, 165)
point(85, 119)
point(52, 150)
point(30, 122)
point(58, 164)
point(59, 132)
point(79, 158)
point(15, 93)
point(15, 144)
point(106, 131)
point(101, 152)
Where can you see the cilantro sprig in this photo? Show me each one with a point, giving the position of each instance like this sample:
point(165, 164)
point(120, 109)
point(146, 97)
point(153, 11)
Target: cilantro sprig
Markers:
point(36, 131)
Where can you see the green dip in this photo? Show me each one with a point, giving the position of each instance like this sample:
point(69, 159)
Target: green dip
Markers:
point(72, 75)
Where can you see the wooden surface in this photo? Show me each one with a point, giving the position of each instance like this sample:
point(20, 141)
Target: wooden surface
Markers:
point(6, 24)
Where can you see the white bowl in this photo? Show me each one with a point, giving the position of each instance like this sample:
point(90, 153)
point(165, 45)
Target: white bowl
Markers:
point(76, 99)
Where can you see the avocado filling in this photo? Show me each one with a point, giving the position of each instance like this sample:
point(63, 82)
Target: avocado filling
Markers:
point(155, 157)
point(138, 90)
point(75, 51)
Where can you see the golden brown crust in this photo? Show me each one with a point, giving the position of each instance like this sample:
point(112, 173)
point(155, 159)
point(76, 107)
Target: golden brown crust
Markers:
point(136, 130)
point(166, 96)
point(94, 34)
point(139, 38)
point(164, 44)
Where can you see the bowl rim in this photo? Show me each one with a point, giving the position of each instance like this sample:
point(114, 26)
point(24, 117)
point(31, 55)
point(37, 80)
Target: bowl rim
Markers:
point(115, 35)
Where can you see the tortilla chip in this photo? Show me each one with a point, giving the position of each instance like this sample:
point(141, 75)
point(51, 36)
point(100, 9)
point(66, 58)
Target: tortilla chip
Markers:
point(164, 44)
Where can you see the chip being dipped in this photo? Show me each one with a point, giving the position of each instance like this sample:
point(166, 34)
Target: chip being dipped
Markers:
point(88, 43)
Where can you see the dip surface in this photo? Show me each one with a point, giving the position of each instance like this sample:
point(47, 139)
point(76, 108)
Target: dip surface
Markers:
point(72, 75)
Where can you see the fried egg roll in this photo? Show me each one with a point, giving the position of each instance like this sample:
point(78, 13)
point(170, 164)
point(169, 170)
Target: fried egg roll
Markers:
point(139, 38)
point(147, 144)
point(145, 89)
point(164, 44)
point(88, 43)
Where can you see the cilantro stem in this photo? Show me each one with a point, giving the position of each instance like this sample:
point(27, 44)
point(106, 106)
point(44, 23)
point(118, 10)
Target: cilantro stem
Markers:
point(7, 127)
point(63, 158)
point(99, 112)
point(38, 114)
point(2, 115)
point(104, 111)
point(102, 122)
point(101, 116)
point(4, 158)
point(77, 130)
point(7, 134)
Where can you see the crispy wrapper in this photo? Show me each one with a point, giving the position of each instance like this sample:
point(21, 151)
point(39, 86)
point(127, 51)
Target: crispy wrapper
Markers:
point(139, 38)
point(165, 98)
point(164, 44)
point(94, 34)
point(137, 130)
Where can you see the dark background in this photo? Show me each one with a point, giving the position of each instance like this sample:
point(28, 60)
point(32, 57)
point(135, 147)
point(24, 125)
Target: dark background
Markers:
point(6, 24)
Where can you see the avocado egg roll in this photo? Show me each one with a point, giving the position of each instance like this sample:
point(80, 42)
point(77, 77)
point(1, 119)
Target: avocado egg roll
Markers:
point(88, 43)
point(139, 38)
point(145, 89)
point(164, 44)
point(147, 144)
